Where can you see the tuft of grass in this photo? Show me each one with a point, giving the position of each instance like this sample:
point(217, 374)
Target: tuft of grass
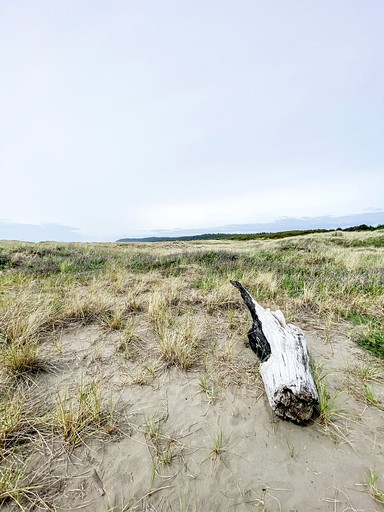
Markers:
point(371, 398)
point(20, 419)
point(227, 354)
point(158, 313)
point(127, 337)
point(369, 395)
point(178, 344)
point(13, 486)
point(83, 415)
point(11, 419)
point(144, 376)
point(21, 358)
point(166, 455)
point(132, 300)
point(360, 376)
point(328, 406)
point(153, 429)
point(220, 298)
point(25, 314)
point(266, 284)
point(218, 445)
point(368, 372)
point(231, 318)
point(377, 494)
point(162, 446)
point(113, 320)
point(86, 305)
point(209, 390)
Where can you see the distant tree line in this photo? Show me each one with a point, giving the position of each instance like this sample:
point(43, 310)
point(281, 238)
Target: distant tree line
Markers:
point(248, 236)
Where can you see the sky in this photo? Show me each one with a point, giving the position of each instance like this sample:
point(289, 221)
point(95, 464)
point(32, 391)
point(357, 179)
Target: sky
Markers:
point(136, 117)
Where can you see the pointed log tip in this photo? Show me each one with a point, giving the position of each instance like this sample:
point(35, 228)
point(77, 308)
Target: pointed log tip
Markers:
point(257, 340)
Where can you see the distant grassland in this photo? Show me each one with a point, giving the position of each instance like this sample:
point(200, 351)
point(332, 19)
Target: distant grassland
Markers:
point(332, 276)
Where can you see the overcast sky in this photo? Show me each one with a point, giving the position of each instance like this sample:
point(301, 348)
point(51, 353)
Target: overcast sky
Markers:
point(124, 117)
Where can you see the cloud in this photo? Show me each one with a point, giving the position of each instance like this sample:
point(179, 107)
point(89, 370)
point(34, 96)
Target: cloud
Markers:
point(63, 233)
point(39, 232)
point(119, 119)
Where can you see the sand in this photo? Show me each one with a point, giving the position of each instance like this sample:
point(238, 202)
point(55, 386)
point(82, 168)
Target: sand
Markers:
point(259, 463)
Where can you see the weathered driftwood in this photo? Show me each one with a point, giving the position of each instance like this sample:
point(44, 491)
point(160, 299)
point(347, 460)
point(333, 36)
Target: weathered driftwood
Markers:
point(284, 361)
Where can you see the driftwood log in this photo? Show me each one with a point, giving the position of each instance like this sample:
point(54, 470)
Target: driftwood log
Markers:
point(284, 361)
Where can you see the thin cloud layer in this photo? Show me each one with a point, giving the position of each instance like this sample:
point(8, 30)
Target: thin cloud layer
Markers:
point(128, 116)
point(283, 224)
point(39, 233)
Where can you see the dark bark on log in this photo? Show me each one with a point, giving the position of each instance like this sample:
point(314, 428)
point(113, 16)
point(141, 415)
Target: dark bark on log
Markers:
point(284, 361)
point(257, 340)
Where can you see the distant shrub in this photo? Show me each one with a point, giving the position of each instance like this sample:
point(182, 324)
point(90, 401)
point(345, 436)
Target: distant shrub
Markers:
point(5, 261)
point(43, 261)
point(168, 265)
point(40, 267)
point(362, 227)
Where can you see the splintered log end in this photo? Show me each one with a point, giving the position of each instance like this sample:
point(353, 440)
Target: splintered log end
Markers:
point(294, 407)
point(284, 361)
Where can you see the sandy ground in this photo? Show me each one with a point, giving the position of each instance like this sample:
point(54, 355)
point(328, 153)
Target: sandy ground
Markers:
point(264, 464)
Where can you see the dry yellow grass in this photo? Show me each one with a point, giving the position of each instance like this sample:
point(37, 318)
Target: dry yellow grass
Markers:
point(142, 319)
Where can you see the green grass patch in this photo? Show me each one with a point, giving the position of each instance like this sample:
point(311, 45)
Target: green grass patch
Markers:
point(373, 342)
point(371, 336)
point(371, 241)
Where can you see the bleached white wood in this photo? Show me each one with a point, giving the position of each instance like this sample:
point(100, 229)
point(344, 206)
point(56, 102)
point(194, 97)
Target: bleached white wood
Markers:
point(286, 374)
point(285, 369)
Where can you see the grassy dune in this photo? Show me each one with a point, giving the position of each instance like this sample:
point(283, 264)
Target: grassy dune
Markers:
point(87, 331)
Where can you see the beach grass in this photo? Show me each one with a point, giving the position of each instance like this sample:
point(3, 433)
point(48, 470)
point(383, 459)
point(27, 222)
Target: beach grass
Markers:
point(125, 316)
